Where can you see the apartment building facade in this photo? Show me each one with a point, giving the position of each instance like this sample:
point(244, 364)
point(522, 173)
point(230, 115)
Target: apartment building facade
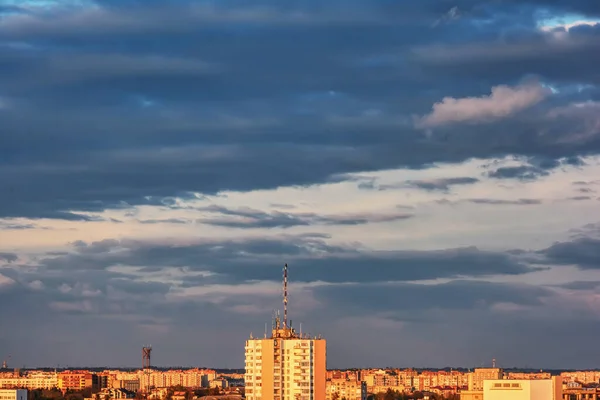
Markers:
point(36, 380)
point(521, 389)
point(13, 394)
point(77, 380)
point(286, 366)
point(345, 389)
point(477, 377)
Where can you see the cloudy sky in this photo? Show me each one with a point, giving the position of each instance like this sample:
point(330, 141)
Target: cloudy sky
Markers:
point(429, 169)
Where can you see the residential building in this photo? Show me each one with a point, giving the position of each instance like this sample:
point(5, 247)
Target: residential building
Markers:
point(13, 394)
point(581, 376)
point(220, 383)
point(132, 385)
point(381, 380)
point(346, 389)
point(76, 380)
point(33, 380)
point(111, 393)
point(522, 389)
point(476, 378)
point(287, 365)
point(471, 395)
point(194, 378)
point(528, 375)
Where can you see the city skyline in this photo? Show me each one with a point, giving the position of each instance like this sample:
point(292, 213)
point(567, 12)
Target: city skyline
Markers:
point(430, 170)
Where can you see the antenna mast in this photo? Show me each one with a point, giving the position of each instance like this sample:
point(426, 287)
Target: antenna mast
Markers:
point(285, 299)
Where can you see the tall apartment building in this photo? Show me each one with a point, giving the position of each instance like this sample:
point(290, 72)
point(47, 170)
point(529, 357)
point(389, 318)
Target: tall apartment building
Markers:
point(521, 389)
point(287, 365)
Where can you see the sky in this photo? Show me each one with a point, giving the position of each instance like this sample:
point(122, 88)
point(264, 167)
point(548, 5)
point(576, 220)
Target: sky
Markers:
point(429, 170)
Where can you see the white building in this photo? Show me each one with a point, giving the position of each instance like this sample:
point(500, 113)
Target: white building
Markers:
point(13, 394)
point(33, 380)
point(521, 389)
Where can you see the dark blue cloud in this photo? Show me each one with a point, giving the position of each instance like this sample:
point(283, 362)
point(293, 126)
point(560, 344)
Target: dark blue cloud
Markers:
point(96, 96)
point(250, 218)
point(142, 102)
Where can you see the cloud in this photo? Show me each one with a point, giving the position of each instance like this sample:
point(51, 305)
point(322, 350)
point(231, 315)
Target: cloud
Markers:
point(5, 282)
point(580, 198)
point(523, 172)
point(165, 221)
point(441, 184)
point(583, 252)
point(166, 122)
point(134, 116)
point(250, 218)
point(580, 285)
point(502, 102)
point(586, 113)
point(521, 202)
point(15, 227)
point(9, 257)
point(150, 286)
point(454, 295)
point(311, 257)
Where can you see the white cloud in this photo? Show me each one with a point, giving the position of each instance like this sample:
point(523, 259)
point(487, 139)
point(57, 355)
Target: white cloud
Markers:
point(436, 224)
point(36, 285)
point(502, 102)
point(567, 26)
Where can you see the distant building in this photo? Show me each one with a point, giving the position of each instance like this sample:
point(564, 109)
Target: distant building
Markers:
point(581, 376)
point(33, 380)
point(194, 378)
point(286, 366)
point(13, 394)
point(220, 383)
point(476, 378)
point(471, 395)
point(346, 389)
point(77, 380)
point(571, 391)
point(528, 375)
point(535, 389)
point(133, 385)
point(110, 393)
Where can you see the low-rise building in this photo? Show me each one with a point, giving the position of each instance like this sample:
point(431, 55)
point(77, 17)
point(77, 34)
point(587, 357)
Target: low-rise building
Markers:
point(33, 380)
point(528, 375)
point(471, 395)
point(76, 380)
point(132, 385)
point(523, 389)
point(13, 394)
point(574, 390)
point(110, 393)
point(220, 383)
point(477, 377)
point(345, 389)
